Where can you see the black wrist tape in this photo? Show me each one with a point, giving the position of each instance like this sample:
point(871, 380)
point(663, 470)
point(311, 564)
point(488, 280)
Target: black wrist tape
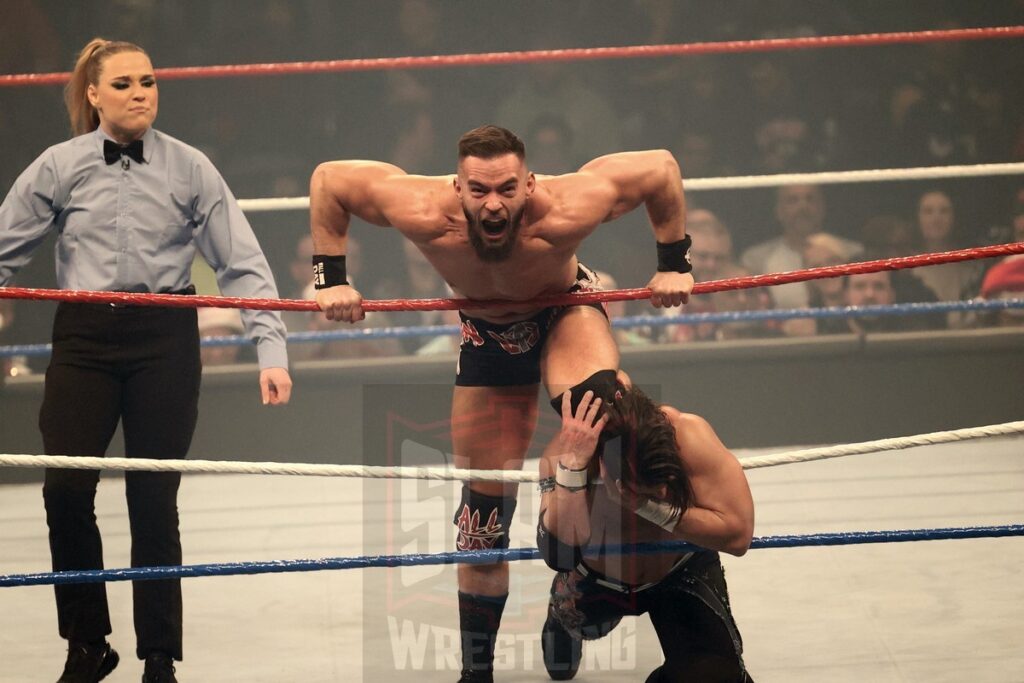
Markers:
point(674, 257)
point(328, 271)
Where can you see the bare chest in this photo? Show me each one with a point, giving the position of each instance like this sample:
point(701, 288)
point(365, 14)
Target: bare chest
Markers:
point(611, 525)
point(535, 267)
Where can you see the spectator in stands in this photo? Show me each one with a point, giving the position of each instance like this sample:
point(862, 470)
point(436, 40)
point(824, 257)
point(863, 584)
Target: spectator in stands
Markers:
point(1005, 280)
point(936, 232)
point(871, 289)
point(742, 300)
point(888, 236)
point(878, 289)
point(800, 212)
point(821, 251)
point(712, 244)
point(710, 255)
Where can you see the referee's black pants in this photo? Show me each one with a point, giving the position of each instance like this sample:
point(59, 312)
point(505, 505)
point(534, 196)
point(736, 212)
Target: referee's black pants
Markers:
point(139, 365)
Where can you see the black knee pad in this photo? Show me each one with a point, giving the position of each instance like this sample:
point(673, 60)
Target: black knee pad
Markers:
point(604, 384)
point(483, 521)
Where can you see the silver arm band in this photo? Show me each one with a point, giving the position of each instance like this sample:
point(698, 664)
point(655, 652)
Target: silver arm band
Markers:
point(574, 480)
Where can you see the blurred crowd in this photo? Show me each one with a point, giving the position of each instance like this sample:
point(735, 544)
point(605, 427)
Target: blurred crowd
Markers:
point(934, 104)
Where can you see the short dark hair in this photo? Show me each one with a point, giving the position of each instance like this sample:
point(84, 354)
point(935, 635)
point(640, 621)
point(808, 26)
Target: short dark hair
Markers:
point(487, 142)
point(646, 446)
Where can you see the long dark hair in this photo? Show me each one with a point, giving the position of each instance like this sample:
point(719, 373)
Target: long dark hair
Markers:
point(640, 447)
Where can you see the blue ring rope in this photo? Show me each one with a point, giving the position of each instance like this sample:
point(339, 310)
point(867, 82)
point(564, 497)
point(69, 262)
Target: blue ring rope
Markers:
point(625, 322)
point(486, 556)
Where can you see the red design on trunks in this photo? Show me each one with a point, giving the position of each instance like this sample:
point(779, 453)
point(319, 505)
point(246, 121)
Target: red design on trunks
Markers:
point(469, 334)
point(518, 338)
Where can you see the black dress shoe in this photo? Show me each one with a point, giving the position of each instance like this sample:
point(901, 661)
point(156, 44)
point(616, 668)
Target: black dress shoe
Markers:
point(159, 669)
point(88, 663)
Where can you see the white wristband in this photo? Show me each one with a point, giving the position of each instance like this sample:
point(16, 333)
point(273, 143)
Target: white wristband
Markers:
point(574, 480)
point(664, 515)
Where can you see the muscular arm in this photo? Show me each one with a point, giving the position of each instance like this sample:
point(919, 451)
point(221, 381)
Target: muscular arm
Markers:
point(722, 514)
point(566, 513)
point(340, 189)
point(651, 178)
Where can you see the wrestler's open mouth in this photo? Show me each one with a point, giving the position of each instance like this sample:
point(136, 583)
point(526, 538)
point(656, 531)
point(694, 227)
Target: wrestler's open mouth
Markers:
point(494, 227)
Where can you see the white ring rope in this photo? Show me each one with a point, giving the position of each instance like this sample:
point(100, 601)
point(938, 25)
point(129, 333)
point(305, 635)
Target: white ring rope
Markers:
point(751, 181)
point(454, 474)
point(880, 445)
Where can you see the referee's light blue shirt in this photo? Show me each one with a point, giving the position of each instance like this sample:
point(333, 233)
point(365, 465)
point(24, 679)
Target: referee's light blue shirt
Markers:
point(137, 229)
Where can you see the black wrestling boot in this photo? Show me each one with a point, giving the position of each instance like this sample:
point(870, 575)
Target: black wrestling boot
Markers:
point(88, 663)
point(479, 618)
point(476, 677)
point(562, 652)
point(159, 669)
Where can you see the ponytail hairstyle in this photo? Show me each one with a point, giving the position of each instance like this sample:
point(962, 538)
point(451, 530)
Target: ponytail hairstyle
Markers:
point(84, 117)
point(639, 447)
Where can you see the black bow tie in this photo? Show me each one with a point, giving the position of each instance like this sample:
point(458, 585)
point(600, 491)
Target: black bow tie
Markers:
point(113, 151)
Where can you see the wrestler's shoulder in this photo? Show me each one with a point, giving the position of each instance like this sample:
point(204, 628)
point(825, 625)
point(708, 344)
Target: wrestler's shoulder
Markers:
point(407, 182)
point(421, 203)
point(406, 188)
point(575, 199)
point(685, 424)
point(574, 181)
point(424, 180)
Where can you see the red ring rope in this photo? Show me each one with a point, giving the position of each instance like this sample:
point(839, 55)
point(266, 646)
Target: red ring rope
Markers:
point(577, 54)
point(749, 282)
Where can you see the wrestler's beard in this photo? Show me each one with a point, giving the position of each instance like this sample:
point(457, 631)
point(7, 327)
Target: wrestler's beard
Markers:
point(493, 252)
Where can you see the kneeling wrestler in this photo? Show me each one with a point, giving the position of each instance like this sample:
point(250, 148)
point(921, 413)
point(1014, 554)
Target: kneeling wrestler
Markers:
point(625, 471)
